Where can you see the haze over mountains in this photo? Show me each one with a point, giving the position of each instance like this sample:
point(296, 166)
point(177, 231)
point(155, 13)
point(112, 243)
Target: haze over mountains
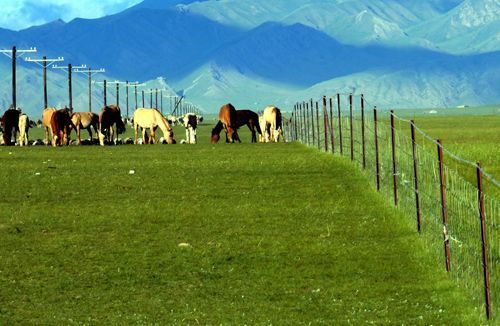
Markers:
point(400, 53)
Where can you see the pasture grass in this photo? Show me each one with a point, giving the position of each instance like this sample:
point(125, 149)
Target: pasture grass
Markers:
point(475, 138)
point(269, 234)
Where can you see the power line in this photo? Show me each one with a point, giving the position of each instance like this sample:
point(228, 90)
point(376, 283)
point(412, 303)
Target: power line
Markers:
point(13, 54)
point(44, 63)
point(90, 73)
point(70, 69)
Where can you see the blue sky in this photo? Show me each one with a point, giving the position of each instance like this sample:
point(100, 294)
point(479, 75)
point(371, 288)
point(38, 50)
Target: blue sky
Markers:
point(20, 14)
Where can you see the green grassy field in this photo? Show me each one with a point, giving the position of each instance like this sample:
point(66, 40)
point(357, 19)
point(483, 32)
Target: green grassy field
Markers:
point(225, 234)
point(475, 138)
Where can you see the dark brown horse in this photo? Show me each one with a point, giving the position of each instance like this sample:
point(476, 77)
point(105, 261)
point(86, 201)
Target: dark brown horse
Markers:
point(227, 121)
point(109, 117)
point(10, 125)
point(251, 119)
point(60, 123)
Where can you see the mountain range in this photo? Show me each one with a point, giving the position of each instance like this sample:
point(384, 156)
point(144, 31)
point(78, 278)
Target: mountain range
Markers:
point(399, 53)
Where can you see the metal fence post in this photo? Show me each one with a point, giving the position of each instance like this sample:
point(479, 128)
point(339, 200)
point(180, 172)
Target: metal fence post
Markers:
point(377, 158)
point(394, 163)
point(307, 122)
point(325, 123)
point(301, 125)
point(363, 130)
point(415, 176)
point(484, 241)
point(296, 112)
point(351, 131)
point(444, 209)
point(312, 124)
point(317, 125)
point(340, 126)
point(332, 133)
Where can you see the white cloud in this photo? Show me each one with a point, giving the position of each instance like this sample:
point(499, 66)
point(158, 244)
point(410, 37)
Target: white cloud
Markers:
point(20, 14)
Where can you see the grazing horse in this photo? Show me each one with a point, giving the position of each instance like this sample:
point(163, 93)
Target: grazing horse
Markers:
point(251, 119)
point(10, 125)
point(227, 121)
point(24, 126)
point(152, 118)
point(190, 123)
point(46, 117)
point(273, 124)
point(60, 123)
point(85, 120)
point(109, 117)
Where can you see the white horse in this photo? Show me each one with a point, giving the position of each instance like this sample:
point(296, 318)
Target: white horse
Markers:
point(273, 124)
point(24, 125)
point(152, 118)
point(190, 123)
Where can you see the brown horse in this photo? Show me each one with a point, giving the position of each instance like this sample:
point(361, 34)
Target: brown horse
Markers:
point(10, 125)
point(46, 117)
point(109, 117)
point(60, 123)
point(227, 121)
point(251, 119)
point(85, 120)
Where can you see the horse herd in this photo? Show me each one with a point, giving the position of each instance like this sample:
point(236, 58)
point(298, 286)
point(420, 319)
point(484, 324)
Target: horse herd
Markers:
point(269, 126)
point(109, 124)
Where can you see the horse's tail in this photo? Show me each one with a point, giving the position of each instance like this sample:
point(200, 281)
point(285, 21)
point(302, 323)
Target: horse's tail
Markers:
point(257, 125)
point(278, 120)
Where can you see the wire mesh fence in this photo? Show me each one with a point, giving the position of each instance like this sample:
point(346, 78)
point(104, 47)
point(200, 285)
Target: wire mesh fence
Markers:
point(456, 218)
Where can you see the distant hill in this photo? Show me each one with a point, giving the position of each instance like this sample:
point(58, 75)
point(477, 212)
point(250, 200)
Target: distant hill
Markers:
point(402, 53)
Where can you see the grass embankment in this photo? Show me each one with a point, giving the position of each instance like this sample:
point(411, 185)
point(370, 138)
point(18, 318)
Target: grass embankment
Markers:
point(274, 234)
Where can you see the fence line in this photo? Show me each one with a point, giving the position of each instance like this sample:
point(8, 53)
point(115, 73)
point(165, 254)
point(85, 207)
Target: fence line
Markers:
point(457, 218)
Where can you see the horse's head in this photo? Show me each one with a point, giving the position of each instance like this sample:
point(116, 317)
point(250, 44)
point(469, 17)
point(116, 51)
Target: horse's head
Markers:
point(120, 128)
point(120, 125)
point(101, 138)
point(216, 132)
point(170, 137)
point(215, 137)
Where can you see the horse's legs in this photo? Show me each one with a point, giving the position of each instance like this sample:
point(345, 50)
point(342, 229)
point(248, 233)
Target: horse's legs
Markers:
point(152, 137)
point(282, 134)
point(89, 129)
point(144, 135)
point(78, 135)
point(46, 140)
point(136, 131)
point(114, 134)
point(193, 135)
point(252, 130)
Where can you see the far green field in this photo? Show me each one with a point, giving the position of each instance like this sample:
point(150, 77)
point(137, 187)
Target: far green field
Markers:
point(474, 137)
point(226, 234)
